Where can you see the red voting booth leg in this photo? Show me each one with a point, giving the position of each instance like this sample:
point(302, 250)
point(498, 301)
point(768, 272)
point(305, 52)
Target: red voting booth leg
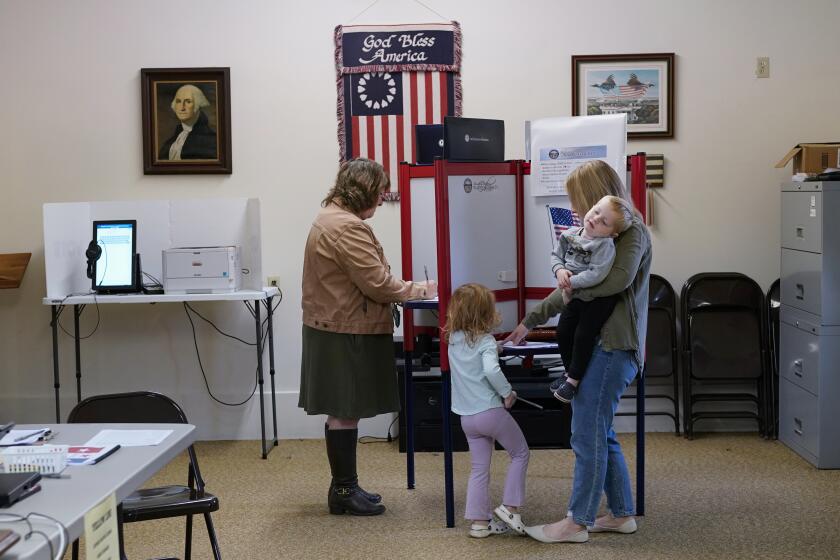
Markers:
point(638, 182)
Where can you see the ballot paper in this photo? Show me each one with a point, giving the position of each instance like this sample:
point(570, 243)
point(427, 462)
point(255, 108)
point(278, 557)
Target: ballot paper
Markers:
point(128, 438)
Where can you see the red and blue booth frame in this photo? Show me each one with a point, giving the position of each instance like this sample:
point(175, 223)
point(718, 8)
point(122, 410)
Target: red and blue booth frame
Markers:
point(440, 172)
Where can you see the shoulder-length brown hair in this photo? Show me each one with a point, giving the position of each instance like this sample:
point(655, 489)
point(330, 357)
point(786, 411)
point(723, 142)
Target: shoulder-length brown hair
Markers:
point(592, 181)
point(358, 185)
point(472, 309)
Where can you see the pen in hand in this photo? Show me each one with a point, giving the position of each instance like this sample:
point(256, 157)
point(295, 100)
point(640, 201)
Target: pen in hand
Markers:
point(426, 273)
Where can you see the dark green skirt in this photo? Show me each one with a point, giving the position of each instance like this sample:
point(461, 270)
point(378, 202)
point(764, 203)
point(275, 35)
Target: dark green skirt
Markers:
point(347, 375)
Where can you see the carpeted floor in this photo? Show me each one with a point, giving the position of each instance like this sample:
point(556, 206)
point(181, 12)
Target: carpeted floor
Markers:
point(724, 496)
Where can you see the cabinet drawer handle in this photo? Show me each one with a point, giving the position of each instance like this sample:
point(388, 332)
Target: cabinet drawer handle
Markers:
point(798, 429)
point(800, 292)
point(800, 232)
point(797, 368)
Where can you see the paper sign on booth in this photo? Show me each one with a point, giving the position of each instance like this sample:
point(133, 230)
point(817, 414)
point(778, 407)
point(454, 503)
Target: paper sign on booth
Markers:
point(559, 145)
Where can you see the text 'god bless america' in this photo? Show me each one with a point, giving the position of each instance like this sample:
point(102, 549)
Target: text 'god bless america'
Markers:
point(396, 48)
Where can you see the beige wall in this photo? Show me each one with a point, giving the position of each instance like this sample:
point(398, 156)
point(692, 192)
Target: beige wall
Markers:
point(70, 130)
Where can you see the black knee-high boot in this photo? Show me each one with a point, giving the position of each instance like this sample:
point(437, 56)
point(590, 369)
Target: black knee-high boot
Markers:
point(344, 496)
point(372, 497)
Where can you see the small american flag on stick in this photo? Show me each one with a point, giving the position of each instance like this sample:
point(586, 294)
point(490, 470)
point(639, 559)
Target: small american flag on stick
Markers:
point(560, 220)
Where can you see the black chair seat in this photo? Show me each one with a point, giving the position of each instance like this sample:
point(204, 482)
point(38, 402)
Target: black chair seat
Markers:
point(649, 396)
point(166, 501)
point(723, 397)
point(727, 414)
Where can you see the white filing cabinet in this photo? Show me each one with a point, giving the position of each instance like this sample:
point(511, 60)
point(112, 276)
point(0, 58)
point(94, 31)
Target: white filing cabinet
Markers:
point(809, 341)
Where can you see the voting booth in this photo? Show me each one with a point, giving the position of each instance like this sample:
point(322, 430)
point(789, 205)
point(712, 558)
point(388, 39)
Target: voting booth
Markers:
point(481, 222)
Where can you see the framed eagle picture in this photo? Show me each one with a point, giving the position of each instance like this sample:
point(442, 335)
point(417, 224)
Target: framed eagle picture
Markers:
point(638, 85)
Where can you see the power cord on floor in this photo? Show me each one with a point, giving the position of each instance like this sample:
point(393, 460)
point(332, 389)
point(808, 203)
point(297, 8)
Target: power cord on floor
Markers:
point(375, 439)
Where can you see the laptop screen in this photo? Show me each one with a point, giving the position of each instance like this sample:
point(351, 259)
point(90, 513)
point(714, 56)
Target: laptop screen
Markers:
point(429, 142)
point(474, 139)
point(115, 266)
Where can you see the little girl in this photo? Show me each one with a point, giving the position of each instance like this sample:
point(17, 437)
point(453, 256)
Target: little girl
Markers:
point(481, 396)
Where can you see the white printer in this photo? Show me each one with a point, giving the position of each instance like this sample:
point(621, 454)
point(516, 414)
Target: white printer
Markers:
point(201, 270)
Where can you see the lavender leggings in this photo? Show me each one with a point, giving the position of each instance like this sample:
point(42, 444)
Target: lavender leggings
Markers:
point(481, 430)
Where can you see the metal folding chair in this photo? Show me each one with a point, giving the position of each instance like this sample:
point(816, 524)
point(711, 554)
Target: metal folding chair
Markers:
point(153, 503)
point(661, 356)
point(724, 343)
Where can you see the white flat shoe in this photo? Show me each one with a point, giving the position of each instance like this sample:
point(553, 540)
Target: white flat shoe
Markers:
point(536, 532)
point(494, 527)
point(513, 520)
point(626, 528)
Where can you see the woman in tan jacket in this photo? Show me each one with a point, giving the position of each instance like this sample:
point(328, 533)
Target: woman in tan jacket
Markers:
point(347, 362)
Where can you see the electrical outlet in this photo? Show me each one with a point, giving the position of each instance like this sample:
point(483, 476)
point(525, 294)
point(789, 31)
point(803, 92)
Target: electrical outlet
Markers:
point(762, 67)
point(273, 281)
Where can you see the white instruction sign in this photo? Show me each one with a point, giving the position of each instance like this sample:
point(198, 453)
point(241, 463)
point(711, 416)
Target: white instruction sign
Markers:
point(559, 145)
point(102, 540)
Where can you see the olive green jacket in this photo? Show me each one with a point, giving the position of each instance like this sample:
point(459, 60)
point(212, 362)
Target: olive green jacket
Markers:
point(626, 328)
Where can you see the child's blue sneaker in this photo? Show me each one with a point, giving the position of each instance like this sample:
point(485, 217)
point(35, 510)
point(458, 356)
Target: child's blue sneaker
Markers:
point(557, 382)
point(565, 392)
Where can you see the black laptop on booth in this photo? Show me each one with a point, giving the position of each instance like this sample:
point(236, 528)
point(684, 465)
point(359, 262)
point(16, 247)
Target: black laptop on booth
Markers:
point(473, 140)
point(429, 141)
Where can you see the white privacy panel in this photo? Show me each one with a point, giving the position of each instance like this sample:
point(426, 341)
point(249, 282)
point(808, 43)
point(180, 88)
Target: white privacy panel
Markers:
point(482, 230)
point(161, 224)
point(508, 310)
point(67, 232)
point(423, 240)
point(211, 222)
point(540, 238)
point(423, 227)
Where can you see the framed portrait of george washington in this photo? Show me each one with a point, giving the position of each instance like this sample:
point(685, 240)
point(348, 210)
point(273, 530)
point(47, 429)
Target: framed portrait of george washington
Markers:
point(641, 86)
point(186, 120)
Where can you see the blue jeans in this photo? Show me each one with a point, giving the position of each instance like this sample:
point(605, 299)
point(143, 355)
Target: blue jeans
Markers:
point(599, 462)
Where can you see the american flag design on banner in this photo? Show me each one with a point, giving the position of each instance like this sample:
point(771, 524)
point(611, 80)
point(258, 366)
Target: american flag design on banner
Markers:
point(390, 79)
point(561, 219)
point(383, 109)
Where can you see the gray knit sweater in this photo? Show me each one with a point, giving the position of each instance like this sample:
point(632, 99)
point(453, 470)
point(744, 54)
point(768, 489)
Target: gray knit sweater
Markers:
point(589, 260)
